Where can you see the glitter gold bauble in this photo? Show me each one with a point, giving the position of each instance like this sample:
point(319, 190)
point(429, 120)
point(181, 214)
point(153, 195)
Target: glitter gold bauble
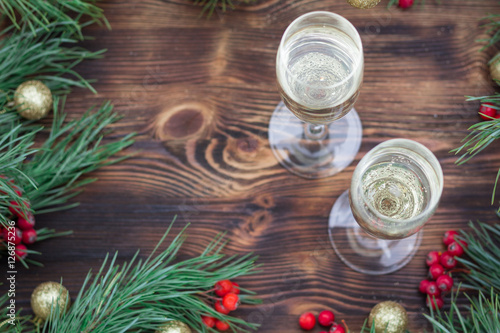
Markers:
point(33, 99)
point(174, 326)
point(388, 317)
point(363, 4)
point(495, 69)
point(45, 295)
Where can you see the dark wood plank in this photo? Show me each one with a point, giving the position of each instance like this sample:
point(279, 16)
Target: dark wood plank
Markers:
point(200, 93)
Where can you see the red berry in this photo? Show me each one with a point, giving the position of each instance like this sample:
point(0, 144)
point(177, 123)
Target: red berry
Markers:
point(435, 271)
point(455, 249)
point(423, 286)
point(444, 282)
point(16, 210)
point(307, 321)
point(336, 328)
point(29, 236)
point(231, 301)
point(21, 251)
point(16, 237)
point(235, 289)
point(432, 289)
point(449, 237)
point(432, 258)
point(486, 112)
point(448, 260)
point(220, 308)
point(27, 222)
point(209, 321)
point(326, 318)
point(18, 190)
point(221, 325)
point(434, 303)
point(223, 287)
point(405, 3)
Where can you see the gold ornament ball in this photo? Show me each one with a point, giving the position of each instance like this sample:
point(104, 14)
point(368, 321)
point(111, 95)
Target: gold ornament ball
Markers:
point(174, 326)
point(388, 317)
point(495, 70)
point(45, 295)
point(33, 99)
point(363, 4)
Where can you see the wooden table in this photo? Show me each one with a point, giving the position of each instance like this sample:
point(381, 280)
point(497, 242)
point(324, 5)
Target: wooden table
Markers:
point(200, 93)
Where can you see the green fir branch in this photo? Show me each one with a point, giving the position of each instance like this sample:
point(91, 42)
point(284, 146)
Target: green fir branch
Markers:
point(209, 6)
point(20, 322)
point(50, 57)
point(492, 28)
point(481, 135)
point(72, 150)
point(52, 174)
point(143, 294)
point(37, 15)
point(483, 260)
point(481, 316)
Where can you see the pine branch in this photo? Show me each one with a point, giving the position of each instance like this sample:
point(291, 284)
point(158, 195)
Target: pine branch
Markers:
point(38, 15)
point(493, 29)
point(481, 136)
point(19, 322)
point(481, 316)
point(483, 252)
point(209, 6)
point(51, 174)
point(144, 294)
point(72, 149)
point(49, 57)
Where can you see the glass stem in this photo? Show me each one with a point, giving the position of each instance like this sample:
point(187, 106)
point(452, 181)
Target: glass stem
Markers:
point(315, 132)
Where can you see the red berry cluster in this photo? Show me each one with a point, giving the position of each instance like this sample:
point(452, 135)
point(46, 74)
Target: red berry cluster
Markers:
point(405, 4)
point(227, 301)
point(440, 265)
point(326, 318)
point(486, 112)
point(23, 233)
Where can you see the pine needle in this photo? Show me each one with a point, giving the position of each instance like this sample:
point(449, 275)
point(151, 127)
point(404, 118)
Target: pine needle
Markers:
point(209, 6)
point(481, 135)
point(39, 15)
point(49, 57)
point(72, 149)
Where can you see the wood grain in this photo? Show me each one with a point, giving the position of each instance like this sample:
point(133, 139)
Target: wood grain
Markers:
point(200, 92)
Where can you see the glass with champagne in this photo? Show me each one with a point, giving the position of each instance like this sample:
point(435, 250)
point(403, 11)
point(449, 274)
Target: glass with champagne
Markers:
point(395, 189)
point(315, 131)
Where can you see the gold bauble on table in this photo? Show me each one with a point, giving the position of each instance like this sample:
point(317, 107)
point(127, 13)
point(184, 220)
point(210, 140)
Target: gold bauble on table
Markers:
point(363, 4)
point(45, 295)
point(174, 326)
point(388, 317)
point(495, 69)
point(33, 99)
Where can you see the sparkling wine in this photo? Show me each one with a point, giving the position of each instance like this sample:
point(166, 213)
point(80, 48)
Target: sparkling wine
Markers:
point(319, 73)
point(394, 190)
point(393, 193)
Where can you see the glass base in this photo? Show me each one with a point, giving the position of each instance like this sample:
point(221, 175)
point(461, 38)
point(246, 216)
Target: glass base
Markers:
point(362, 252)
point(322, 157)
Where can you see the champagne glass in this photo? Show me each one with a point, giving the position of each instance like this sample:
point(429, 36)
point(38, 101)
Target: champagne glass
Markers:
point(319, 69)
point(375, 226)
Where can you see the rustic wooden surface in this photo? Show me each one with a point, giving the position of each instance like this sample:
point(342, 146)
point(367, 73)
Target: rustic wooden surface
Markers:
point(200, 93)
